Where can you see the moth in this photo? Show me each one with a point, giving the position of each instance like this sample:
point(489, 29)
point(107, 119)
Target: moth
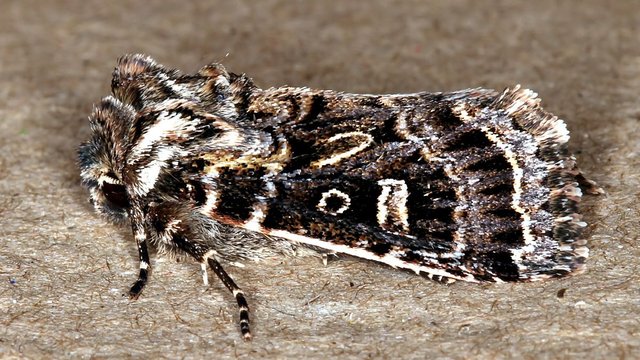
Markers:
point(474, 185)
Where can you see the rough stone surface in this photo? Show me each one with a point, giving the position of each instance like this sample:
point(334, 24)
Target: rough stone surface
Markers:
point(64, 270)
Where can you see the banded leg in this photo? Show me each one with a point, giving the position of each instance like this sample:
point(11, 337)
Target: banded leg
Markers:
point(237, 292)
point(143, 254)
point(176, 227)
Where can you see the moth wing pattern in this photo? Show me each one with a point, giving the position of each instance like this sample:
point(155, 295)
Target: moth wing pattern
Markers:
point(474, 185)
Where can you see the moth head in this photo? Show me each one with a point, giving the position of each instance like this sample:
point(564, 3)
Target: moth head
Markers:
point(102, 157)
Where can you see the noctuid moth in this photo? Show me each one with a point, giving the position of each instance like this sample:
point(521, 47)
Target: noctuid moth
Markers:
point(474, 185)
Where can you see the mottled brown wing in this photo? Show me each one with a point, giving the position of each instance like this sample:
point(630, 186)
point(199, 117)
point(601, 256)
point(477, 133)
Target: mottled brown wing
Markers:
point(470, 185)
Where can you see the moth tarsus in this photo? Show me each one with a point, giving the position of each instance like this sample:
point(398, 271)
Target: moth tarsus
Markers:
point(237, 293)
point(138, 286)
point(474, 185)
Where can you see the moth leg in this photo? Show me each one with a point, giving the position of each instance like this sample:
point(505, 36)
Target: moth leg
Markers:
point(176, 228)
point(237, 293)
point(325, 258)
point(143, 254)
point(325, 255)
point(439, 278)
point(205, 275)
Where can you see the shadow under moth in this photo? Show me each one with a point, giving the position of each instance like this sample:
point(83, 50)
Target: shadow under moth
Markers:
point(473, 185)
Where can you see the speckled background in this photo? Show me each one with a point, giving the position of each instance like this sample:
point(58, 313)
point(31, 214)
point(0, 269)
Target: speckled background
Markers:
point(64, 270)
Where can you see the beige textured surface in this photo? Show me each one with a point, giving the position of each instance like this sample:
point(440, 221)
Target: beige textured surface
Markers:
point(64, 270)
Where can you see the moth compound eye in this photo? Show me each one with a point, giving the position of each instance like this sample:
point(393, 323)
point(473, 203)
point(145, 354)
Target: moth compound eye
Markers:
point(116, 194)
